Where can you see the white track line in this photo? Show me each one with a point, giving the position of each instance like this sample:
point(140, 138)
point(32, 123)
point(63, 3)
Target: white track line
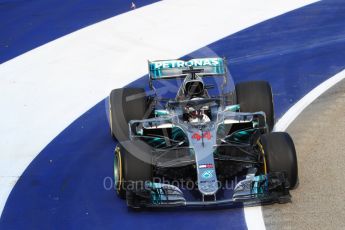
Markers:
point(253, 215)
point(46, 89)
point(254, 218)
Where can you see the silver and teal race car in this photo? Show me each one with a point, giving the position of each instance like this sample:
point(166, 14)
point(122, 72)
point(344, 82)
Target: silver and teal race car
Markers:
point(192, 137)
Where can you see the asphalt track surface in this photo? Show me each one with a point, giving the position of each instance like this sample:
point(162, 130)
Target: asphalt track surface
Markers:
point(318, 133)
point(63, 186)
point(25, 25)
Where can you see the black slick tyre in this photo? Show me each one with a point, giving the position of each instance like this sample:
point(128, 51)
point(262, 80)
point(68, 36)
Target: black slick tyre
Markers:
point(255, 96)
point(126, 104)
point(280, 155)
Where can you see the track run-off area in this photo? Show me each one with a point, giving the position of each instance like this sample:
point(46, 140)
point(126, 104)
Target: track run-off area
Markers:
point(55, 147)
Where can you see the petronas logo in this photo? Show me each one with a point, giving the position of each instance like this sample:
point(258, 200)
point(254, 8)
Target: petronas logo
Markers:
point(207, 174)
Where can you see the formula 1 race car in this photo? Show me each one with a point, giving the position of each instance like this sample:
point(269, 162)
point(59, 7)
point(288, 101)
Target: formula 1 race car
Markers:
point(191, 137)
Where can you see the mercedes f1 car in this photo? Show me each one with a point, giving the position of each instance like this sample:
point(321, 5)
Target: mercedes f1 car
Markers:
point(191, 137)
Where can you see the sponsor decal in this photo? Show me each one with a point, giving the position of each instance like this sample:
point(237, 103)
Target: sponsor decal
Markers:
point(207, 174)
point(207, 181)
point(172, 68)
point(181, 64)
point(206, 166)
point(196, 136)
point(206, 135)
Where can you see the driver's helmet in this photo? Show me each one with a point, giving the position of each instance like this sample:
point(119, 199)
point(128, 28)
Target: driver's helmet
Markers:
point(194, 88)
point(197, 115)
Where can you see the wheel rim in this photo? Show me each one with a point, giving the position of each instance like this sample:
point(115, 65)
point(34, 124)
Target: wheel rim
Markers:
point(117, 169)
point(110, 119)
point(116, 172)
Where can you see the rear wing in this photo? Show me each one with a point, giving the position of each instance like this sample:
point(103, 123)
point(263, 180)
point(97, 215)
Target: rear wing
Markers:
point(167, 69)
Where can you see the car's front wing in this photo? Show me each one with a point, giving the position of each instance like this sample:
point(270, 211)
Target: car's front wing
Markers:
point(252, 191)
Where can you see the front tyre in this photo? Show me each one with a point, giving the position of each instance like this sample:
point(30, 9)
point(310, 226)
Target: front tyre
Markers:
point(132, 165)
point(118, 174)
point(280, 155)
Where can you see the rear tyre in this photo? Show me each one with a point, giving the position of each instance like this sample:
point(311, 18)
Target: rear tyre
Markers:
point(126, 104)
point(280, 155)
point(255, 96)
